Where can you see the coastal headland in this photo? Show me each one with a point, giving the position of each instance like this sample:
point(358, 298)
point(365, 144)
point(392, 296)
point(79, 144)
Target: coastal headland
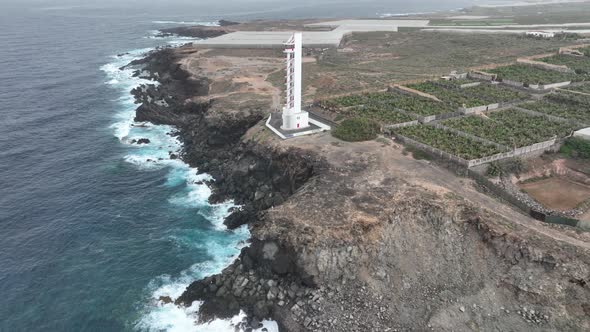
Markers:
point(358, 236)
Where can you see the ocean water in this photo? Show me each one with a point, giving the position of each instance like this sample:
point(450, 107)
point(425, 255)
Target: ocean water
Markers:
point(95, 229)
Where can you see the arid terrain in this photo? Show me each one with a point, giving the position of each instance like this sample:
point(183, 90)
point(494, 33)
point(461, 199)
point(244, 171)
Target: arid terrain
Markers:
point(363, 236)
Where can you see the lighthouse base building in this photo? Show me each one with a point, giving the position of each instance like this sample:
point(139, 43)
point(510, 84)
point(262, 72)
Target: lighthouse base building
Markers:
point(294, 121)
point(294, 117)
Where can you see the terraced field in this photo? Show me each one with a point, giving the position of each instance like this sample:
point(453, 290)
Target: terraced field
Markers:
point(449, 142)
point(389, 100)
point(570, 112)
point(383, 114)
point(483, 94)
point(580, 64)
point(510, 127)
point(496, 93)
point(532, 75)
point(453, 97)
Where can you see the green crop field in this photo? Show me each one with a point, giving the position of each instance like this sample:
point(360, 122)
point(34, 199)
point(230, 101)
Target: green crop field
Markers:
point(449, 142)
point(532, 75)
point(510, 127)
point(453, 97)
point(483, 94)
point(580, 64)
point(569, 98)
point(496, 93)
point(383, 114)
point(414, 104)
point(585, 88)
point(565, 111)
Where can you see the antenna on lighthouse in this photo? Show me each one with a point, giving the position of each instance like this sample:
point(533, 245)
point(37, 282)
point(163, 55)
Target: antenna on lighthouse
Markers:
point(293, 116)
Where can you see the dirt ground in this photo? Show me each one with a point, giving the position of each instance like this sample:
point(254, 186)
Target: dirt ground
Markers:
point(238, 75)
point(385, 158)
point(557, 193)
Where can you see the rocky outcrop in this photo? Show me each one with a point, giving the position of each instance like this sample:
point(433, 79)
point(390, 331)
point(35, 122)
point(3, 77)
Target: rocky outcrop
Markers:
point(195, 31)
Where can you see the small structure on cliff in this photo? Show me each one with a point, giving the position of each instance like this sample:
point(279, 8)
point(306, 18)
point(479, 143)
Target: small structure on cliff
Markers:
point(294, 120)
point(293, 116)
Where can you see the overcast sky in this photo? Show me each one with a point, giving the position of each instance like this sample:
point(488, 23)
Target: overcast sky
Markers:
point(248, 8)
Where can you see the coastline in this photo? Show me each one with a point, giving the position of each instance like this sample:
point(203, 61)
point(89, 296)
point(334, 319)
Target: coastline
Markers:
point(218, 150)
point(376, 255)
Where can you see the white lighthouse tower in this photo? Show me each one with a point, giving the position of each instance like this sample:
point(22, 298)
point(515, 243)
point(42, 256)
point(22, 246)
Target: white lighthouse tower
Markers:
point(294, 117)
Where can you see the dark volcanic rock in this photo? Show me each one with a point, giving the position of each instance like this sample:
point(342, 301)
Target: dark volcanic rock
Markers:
point(143, 141)
point(254, 176)
point(195, 31)
point(226, 23)
point(241, 217)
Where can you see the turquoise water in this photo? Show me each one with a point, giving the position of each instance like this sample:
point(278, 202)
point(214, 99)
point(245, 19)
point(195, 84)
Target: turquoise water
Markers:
point(95, 229)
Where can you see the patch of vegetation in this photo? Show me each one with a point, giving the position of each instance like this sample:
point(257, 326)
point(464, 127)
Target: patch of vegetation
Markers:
point(531, 75)
point(563, 107)
point(580, 64)
point(384, 114)
point(504, 167)
point(378, 59)
point(357, 130)
point(511, 128)
point(480, 95)
point(449, 142)
point(453, 97)
point(385, 102)
point(575, 147)
point(585, 88)
point(417, 153)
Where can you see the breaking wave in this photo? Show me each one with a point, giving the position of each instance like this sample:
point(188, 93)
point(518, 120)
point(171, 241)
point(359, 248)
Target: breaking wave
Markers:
point(221, 246)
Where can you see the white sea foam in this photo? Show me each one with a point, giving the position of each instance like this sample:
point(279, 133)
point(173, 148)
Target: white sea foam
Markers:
point(223, 246)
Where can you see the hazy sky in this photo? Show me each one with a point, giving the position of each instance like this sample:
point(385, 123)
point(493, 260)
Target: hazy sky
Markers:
point(238, 9)
point(221, 5)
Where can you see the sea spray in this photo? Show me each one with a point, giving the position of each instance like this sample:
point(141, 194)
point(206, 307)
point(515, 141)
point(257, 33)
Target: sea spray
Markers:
point(222, 246)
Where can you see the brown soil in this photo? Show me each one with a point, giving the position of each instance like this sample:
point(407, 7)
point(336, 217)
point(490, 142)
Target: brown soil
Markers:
point(557, 193)
point(239, 74)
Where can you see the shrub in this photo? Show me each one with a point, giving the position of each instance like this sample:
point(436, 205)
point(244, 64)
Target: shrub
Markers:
point(509, 166)
point(494, 169)
point(417, 153)
point(356, 130)
point(575, 147)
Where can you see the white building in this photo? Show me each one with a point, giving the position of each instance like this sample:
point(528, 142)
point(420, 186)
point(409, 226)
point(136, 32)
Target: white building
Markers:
point(294, 117)
point(540, 34)
point(583, 133)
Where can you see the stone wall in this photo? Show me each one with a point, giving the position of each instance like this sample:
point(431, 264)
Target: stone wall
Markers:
point(406, 90)
point(544, 65)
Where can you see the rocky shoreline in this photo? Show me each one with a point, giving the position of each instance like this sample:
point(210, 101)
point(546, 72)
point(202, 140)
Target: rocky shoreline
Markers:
point(199, 31)
point(255, 177)
point(340, 244)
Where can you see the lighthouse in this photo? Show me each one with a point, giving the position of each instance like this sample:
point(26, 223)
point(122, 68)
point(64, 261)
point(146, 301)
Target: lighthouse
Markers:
point(294, 118)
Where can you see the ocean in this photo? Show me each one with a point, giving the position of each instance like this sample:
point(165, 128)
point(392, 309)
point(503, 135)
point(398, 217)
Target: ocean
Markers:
point(94, 229)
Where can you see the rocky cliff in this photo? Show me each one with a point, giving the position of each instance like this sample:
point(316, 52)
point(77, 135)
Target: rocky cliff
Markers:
point(357, 237)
